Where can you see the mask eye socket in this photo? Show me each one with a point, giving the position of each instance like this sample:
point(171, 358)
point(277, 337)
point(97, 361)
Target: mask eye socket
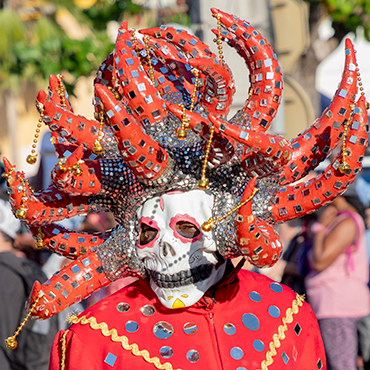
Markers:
point(187, 229)
point(147, 234)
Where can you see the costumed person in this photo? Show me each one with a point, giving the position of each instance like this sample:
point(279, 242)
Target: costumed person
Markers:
point(17, 275)
point(189, 191)
point(337, 285)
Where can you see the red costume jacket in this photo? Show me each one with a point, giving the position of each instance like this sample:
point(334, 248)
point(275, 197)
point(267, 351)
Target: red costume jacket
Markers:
point(249, 323)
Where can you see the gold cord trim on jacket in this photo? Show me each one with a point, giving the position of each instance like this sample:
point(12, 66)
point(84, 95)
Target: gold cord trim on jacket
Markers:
point(275, 343)
point(64, 341)
point(134, 348)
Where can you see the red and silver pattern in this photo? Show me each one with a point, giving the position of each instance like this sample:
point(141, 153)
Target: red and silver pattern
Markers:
point(138, 90)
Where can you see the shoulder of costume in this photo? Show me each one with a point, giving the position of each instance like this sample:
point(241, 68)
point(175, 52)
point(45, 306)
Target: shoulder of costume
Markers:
point(134, 296)
point(256, 284)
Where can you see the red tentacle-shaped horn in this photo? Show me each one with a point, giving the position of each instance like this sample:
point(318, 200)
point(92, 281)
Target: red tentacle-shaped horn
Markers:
point(175, 60)
point(219, 90)
point(173, 79)
point(216, 95)
point(66, 242)
point(67, 176)
point(186, 42)
point(65, 124)
point(314, 144)
point(104, 73)
point(265, 73)
point(145, 157)
point(294, 201)
point(256, 239)
point(73, 283)
point(144, 102)
point(56, 94)
point(275, 151)
point(37, 208)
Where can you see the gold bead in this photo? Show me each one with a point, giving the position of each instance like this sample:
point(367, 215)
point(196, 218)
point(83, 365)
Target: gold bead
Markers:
point(344, 168)
point(31, 159)
point(207, 226)
point(21, 213)
point(11, 343)
point(40, 244)
point(181, 134)
point(97, 148)
point(78, 171)
point(203, 184)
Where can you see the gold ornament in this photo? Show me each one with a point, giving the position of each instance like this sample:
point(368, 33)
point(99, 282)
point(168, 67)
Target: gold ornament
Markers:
point(32, 158)
point(98, 148)
point(344, 168)
point(62, 92)
point(78, 170)
point(76, 167)
point(11, 343)
point(218, 40)
point(207, 226)
point(203, 182)
point(151, 69)
point(39, 239)
point(21, 213)
point(181, 134)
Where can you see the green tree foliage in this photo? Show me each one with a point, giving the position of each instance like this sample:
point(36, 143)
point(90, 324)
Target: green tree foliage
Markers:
point(31, 49)
point(347, 15)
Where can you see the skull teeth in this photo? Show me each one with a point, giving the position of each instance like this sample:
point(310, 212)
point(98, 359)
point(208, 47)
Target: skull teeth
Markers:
point(181, 278)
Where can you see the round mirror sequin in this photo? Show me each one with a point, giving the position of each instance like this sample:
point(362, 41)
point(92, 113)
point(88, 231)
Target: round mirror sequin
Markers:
point(123, 307)
point(131, 326)
point(258, 345)
point(229, 329)
point(162, 330)
point(166, 352)
point(192, 356)
point(190, 328)
point(241, 368)
point(236, 353)
point(255, 297)
point(276, 287)
point(274, 311)
point(251, 321)
point(147, 310)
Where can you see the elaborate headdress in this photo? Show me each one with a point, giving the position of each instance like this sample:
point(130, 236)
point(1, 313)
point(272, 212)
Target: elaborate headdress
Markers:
point(161, 107)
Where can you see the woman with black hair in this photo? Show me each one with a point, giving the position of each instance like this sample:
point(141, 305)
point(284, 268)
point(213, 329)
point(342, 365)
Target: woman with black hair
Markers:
point(337, 284)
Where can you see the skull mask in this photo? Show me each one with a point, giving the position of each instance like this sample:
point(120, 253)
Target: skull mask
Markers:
point(181, 260)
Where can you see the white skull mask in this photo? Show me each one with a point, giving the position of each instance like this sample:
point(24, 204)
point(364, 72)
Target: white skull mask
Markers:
point(180, 259)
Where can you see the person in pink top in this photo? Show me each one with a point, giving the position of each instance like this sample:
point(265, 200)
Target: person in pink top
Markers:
point(337, 284)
